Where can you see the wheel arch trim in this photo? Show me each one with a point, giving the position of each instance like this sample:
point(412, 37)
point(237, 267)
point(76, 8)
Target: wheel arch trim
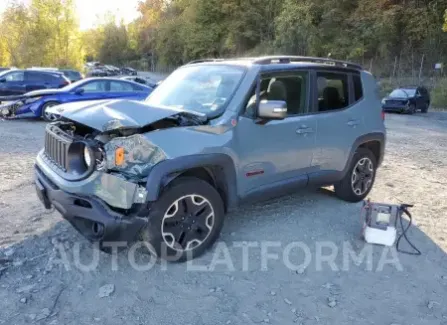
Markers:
point(160, 175)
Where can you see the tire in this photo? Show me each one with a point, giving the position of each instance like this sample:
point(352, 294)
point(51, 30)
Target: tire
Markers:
point(424, 109)
point(412, 109)
point(174, 235)
point(46, 116)
point(346, 189)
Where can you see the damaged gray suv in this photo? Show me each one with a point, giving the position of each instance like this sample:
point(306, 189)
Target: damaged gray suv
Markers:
point(214, 134)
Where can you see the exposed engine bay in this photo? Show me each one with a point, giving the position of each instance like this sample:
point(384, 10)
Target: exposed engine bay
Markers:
point(99, 147)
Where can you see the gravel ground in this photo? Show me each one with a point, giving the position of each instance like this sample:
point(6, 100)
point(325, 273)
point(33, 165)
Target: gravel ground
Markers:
point(35, 287)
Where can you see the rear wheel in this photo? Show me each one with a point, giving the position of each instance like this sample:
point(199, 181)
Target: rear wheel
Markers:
point(424, 108)
point(359, 179)
point(185, 221)
point(47, 116)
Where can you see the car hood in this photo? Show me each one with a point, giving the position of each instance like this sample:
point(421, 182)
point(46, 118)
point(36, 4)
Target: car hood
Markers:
point(397, 98)
point(43, 92)
point(108, 115)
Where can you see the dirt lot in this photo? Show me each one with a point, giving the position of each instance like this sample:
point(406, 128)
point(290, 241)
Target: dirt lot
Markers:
point(36, 288)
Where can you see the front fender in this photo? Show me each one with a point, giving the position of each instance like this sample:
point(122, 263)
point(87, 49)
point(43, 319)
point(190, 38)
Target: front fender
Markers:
point(160, 172)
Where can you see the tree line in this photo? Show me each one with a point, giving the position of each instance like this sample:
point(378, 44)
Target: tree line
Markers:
point(171, 32)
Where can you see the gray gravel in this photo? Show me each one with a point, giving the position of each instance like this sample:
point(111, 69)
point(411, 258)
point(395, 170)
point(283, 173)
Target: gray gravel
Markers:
point(36, 288)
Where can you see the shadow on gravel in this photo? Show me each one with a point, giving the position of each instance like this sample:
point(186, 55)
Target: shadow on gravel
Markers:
point(297, 259)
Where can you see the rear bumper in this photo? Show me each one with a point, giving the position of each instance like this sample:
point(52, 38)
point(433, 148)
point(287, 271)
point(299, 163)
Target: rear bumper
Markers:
point(90, 216)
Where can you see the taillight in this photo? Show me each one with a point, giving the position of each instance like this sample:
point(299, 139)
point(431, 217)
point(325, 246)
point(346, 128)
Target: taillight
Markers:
point(383, 115)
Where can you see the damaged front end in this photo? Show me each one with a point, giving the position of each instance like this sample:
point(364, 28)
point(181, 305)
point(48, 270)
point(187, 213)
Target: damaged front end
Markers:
point(114, 159)
point(10, 105)
point(95, 163)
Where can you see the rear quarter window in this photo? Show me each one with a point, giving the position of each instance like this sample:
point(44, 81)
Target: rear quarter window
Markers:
point(137, 87)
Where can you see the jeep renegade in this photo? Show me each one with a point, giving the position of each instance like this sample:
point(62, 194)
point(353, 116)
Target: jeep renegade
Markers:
point(213, 134)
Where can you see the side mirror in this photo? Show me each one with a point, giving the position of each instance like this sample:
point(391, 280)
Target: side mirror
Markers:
point(79, 91)
point(2, 80)
point(272, 109)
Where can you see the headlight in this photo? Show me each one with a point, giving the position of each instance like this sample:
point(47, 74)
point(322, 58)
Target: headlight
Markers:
point(32, 100)
point(88, 157)
point(5, 111)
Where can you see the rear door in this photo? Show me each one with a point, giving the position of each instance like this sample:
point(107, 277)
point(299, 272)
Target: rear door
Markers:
point(12, 83)
point(420, 99)
point(36, 80)
point(338, 109)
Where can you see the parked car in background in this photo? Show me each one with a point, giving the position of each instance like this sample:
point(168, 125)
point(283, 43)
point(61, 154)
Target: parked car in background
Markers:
point(72, 75)
point(97, 72)
point(129, 71)
point(141, 80)
point(407, 100)
point(36, 103)
point(3, 69)
point(17, 82)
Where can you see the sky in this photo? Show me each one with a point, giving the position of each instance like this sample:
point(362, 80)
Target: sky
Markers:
point(89, 10)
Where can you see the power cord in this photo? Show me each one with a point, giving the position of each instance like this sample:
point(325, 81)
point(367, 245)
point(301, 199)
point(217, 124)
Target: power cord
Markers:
point(404, 209)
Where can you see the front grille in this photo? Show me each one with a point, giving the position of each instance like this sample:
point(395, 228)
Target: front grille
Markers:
point(56, 149)
point(396, 102)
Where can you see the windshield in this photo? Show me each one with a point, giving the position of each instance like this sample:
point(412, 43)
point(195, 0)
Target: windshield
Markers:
point(202, 88)
point(399, 93)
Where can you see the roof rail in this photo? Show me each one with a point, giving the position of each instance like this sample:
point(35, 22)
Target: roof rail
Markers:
point(204, 60)
point(289, 59)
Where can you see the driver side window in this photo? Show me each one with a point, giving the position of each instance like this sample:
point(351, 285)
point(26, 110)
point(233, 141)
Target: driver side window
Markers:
point(290, 87)
point(15, 76)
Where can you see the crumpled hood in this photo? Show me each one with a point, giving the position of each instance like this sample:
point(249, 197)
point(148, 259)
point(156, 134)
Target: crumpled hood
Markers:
point(43, 92)
point(107, 115)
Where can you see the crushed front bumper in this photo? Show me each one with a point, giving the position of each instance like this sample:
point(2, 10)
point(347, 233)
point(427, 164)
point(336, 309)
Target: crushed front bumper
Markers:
point(85, 204)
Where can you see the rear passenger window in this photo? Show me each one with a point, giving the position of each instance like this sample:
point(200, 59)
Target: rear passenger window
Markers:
point(120, 86)
point(358, 89)
point(34, 76)
point(332, 91)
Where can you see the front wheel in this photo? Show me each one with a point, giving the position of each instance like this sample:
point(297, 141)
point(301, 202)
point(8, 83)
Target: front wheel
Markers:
point(47, 116)
point(412, 109)
point(185, 221)
point(359, 179)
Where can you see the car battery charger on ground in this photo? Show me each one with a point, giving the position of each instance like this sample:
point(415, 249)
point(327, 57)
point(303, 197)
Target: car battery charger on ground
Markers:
point(380, 223)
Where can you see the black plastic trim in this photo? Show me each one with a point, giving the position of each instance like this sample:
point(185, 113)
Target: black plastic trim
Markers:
point(116, 227)
point(160, 173)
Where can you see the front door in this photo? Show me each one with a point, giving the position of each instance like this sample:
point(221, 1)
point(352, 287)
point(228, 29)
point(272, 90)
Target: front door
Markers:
point(12, 83)
point(276, 154)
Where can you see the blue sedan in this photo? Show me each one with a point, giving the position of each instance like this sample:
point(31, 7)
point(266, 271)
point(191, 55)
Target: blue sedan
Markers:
point(36, 103)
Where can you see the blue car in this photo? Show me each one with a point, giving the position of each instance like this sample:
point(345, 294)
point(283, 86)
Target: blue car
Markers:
point(19, 82)
point(36, 103)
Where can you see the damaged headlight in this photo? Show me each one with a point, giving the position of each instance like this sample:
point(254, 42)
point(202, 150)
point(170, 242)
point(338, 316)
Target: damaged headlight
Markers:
point(88, 156)
point(133, 156)
point(4, 111)
point(32, 100)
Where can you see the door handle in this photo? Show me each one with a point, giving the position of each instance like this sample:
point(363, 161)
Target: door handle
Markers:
point(353, 123)
point(304, 130)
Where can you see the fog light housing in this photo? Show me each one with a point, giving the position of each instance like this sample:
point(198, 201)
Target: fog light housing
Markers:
point(88, 156)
